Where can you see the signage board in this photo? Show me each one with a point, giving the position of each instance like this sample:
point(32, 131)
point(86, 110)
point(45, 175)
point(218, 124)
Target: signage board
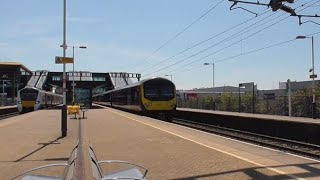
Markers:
point(313, 76)
point(62, 60)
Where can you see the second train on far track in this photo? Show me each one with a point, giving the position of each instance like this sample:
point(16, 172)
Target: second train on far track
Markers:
point(155, 97)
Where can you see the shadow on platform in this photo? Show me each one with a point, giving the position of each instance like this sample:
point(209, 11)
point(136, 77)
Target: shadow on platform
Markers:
point(43, 146)
point(255, 173)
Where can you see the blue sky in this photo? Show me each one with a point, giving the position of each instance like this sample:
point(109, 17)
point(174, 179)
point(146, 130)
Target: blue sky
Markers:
point(121, 36)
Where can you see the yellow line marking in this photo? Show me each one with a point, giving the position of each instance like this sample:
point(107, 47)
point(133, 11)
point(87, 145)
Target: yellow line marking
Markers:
point(210, 147)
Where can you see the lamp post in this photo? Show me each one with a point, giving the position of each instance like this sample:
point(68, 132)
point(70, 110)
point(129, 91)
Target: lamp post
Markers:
point(206, 64)
point(64, 123)
point(311, 76)
point(169, 75)
point(81, 47)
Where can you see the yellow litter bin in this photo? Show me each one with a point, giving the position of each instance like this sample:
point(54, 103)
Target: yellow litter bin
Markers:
point(73, 109)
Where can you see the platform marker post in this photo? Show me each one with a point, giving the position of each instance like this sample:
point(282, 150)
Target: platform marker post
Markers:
point(64, 124)
point(289, 97)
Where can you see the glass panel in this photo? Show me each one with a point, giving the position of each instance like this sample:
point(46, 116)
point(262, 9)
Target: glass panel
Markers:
point(159, 91)
point(28, 95)
point(56, 78)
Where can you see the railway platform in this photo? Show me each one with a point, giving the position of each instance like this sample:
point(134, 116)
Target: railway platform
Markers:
point(4, 110)
point(7, 107)
point(257, 116)
point(168, 151)
point(292, 128)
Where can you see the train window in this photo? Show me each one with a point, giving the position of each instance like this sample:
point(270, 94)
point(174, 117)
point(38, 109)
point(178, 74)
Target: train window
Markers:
point(158, 92)
point(29, 96)
point(167, 92)
point(151, 92)
point(56, 78)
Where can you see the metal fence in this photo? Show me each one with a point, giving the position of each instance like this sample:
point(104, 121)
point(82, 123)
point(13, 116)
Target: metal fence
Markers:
point(301, 104)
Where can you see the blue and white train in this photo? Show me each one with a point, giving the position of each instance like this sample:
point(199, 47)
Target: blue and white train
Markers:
point(32, 99)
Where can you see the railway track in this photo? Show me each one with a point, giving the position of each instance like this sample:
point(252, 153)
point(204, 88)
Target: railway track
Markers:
point(7, 115)
point(300, 148)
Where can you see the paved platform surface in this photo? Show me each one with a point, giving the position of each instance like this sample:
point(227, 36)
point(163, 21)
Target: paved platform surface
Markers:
point(259, 116)
point(7, 107)
point(32, 140)
point(169, 151)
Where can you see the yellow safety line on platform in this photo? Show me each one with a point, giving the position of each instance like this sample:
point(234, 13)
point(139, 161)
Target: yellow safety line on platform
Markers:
point(219, 150)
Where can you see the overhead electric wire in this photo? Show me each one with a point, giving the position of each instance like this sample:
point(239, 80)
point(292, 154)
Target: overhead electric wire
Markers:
point(186, 28)
point(210, 39)
point(222, 41)
point(260, 49)
point(230, 44)
point(253, 51)
point(206, 40)
point(245, 30)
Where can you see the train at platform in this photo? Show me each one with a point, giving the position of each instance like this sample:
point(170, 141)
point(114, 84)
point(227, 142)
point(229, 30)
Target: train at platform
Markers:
point(32, 99)
point(152, 97)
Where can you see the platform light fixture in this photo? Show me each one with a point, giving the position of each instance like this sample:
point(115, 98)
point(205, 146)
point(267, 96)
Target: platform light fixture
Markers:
point(313, 76)
point(207, 64)
point(81, 47)
point(169, 75)
point(64, 124)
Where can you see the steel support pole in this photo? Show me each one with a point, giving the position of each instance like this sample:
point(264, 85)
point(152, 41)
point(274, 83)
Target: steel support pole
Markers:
point(253, 98)
point(289, 97)
point(313, 84)
point(213, 99)
point(64, 107)
point(73, 75)
point(213, 75)
point(239, 100)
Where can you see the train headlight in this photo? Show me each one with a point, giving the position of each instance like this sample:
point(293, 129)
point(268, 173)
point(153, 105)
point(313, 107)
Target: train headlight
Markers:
point(37, 102)
point(19, 102)
point(148, 105)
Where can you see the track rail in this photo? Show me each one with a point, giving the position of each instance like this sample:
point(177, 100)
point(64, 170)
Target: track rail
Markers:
point(295, 147)
point(7, 115)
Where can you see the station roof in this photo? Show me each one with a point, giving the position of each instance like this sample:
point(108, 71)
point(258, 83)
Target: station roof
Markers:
point(15, 65)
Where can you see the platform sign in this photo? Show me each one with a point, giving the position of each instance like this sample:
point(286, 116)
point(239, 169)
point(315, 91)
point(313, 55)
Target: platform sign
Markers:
point(313, 76)
point(61, 60)
point(73, 84)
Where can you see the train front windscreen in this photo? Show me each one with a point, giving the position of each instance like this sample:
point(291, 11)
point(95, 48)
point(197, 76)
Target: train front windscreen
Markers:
point(160, 90)
point(28, 95)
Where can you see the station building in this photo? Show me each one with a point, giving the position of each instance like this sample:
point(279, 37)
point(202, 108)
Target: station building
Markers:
point(13, 76)
point(80, 85)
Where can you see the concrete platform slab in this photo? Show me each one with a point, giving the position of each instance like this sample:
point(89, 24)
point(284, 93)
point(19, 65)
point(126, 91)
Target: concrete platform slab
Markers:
point(32, 140)
point(174, 152)
point(258, 116)
point(169, 151)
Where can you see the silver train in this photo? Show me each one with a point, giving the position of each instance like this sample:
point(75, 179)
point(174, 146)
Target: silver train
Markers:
point(32, 99)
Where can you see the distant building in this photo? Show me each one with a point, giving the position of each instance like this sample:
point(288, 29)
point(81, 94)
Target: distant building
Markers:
point(260, 94)
point(302, 85)
point(216, 91)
